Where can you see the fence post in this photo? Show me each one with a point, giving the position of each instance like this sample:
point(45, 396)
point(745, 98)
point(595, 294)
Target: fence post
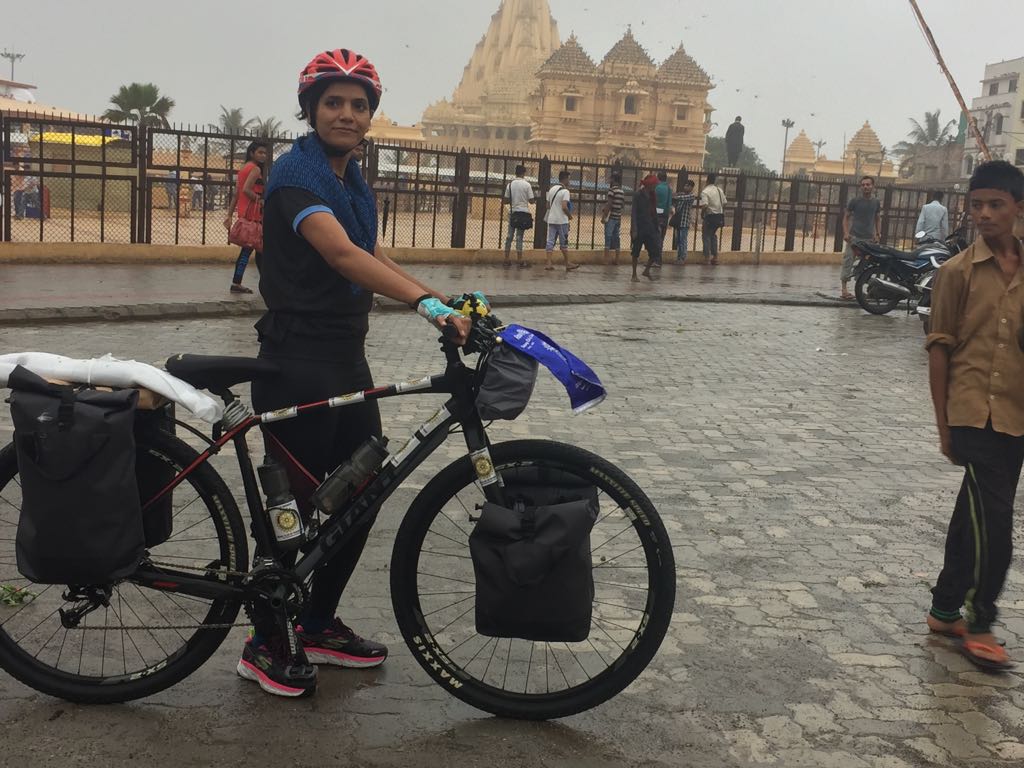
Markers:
point(794, 197)
point(737, 214)
point(460, 210)
point(844, 198)
point(886, 206)
point(540, 229)
point(5, 187)
point(372, 164)
point(142, 234)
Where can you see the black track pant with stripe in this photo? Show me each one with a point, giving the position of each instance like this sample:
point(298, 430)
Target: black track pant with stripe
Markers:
point(979, 543)
point(320, 441)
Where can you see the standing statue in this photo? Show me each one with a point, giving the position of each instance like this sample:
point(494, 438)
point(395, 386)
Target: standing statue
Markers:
point(734, 141)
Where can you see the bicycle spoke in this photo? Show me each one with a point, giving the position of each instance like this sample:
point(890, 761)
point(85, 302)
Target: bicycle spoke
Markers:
point(445, 608)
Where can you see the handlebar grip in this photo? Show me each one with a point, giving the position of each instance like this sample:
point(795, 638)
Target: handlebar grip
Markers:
point(449, 331)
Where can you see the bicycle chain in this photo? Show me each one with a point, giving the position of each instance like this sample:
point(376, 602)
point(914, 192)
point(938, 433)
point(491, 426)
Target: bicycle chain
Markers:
point(130, 627)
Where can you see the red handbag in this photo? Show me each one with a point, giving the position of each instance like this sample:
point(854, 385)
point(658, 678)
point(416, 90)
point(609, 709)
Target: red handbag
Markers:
point(247, 233)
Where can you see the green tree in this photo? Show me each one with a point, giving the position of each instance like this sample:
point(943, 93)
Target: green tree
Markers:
point(232, 121)
point(717, 157)
point(139, 103)
point(930, 133)
point(268, 128)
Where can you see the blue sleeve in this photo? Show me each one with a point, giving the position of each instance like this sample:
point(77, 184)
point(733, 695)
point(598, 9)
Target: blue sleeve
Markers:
point(296, 204)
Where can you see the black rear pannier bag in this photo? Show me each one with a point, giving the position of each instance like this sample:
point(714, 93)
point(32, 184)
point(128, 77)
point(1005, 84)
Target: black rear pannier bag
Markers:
point(153, 474)
point(532, 558)
point(80, 520)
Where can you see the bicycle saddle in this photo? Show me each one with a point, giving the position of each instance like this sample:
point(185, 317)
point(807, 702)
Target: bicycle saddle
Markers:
point(216, 372)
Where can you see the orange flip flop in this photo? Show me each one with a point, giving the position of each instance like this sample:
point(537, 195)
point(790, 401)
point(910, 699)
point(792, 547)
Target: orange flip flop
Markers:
point(991, 658)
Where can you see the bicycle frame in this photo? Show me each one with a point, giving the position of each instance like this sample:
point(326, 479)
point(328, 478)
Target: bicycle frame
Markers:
point(339, 528)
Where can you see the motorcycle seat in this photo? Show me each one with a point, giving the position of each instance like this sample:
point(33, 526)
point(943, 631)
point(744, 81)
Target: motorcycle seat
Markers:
point(879, 249)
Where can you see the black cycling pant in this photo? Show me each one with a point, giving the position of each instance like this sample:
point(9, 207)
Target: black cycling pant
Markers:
point(320, 440)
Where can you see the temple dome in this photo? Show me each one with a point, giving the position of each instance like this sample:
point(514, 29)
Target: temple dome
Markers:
point(570, 59)
point(800, 149)
point(864, 141)
point(628, 54)
point(681, 68)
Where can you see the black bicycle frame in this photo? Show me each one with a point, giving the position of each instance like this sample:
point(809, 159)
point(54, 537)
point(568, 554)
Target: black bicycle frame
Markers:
point(340, 527)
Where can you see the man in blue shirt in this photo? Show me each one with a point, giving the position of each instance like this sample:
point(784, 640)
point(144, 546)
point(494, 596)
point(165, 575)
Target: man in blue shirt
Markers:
point(934, 218)
point(663, 197)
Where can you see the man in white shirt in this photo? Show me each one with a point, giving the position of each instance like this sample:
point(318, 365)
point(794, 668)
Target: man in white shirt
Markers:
point(519, 195)
point(712, 204)
point(557, 217)
point(934, 218)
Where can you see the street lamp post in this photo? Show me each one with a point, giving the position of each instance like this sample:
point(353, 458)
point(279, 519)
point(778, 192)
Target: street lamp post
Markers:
point(12, 57)
point(787, 124)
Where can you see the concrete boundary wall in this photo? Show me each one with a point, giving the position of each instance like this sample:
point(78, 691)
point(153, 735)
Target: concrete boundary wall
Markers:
point(122, 253)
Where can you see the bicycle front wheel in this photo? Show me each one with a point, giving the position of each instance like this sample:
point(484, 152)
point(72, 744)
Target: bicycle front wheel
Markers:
point(144, 640)
point(433, 592)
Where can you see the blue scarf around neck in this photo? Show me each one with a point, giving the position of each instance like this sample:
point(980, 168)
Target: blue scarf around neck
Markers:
point(306, 166)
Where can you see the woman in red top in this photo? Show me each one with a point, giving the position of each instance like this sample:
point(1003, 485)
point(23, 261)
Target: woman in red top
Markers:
point(247, 202)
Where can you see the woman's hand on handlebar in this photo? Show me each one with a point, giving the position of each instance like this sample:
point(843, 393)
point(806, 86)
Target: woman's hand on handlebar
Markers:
point(456, 329)
point(453, 325)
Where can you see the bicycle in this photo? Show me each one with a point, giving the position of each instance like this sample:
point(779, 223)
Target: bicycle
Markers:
point(118, 642)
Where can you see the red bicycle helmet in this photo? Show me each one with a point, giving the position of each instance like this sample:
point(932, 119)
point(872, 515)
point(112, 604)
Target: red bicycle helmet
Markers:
point(342, 64)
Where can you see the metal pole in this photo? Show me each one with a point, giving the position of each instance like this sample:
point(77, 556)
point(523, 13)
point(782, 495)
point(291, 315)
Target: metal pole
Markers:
point(971, 121)
point(787, 124)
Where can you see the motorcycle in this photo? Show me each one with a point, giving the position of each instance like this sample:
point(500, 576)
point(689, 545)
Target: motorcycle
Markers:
point(924, 287)
point(887, 276)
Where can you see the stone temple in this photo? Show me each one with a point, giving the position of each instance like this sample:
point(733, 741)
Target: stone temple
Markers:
point(524, 91)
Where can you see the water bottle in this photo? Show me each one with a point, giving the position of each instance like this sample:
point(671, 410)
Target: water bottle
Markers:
point(282, 510)
point(348, 478)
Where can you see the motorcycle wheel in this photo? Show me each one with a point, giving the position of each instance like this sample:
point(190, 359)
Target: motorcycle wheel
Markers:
point(871, 299)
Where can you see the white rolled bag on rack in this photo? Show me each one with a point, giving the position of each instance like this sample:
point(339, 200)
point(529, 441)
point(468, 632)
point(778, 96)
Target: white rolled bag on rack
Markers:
point(108, 371)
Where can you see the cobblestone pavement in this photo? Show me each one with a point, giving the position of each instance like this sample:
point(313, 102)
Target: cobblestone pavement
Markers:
point(99, 289)
point(791, 453)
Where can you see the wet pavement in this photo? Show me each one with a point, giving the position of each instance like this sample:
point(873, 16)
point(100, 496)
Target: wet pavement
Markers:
point(791, 453)
point(79, 292)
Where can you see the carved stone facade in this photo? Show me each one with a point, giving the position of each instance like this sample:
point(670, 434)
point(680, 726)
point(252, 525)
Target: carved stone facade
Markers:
point(626, 108)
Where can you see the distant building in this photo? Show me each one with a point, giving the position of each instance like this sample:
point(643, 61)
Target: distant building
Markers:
point(523, 90)
point(864, 155)
point(999, 111)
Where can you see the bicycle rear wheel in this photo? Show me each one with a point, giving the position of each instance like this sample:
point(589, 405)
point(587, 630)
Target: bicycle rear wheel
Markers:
point(146, 639)
point(432, 589)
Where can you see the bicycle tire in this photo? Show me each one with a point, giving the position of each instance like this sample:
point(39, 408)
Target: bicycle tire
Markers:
point(874, 305)
point(156, 675)
point(437, 661)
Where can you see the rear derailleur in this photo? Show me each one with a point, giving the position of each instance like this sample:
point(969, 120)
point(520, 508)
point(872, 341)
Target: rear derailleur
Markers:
point(88, 599)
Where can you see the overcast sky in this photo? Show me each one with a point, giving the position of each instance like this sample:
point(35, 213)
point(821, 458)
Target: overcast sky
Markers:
point(827, 64)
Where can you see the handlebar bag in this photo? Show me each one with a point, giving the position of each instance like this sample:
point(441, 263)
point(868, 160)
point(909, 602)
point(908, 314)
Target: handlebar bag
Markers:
point(80, 521)
point(532, 558)
point(507, 385)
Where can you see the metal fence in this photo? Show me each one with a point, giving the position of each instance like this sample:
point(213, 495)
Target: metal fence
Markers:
point(72, 181)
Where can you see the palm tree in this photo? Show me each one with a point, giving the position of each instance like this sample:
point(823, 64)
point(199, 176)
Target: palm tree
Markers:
point(139, 103)
point(927, 134)
point(232, 121)
point(269, 128)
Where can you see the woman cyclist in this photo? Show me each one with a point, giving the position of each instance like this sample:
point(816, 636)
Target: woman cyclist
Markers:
point(247, 202)
point(320, 267)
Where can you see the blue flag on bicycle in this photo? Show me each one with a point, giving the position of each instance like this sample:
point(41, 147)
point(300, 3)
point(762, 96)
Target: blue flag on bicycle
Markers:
point(584, 388)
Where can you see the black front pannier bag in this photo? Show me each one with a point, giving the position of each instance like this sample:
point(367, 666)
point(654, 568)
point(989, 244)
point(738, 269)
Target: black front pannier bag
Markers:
point(534, 577)
point(80, 520)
